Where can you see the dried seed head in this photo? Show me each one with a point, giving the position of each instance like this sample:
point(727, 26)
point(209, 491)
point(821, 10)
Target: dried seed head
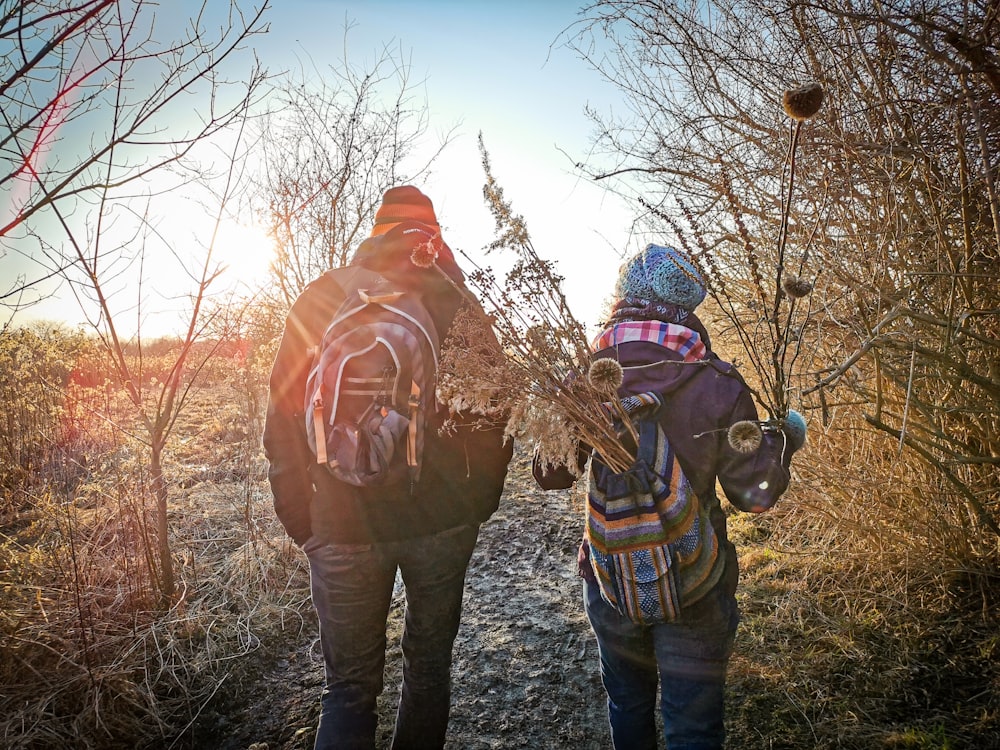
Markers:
point(803, 102)
point(796, 287)
point(424, 254)
point(605, 375)
point(745, 436)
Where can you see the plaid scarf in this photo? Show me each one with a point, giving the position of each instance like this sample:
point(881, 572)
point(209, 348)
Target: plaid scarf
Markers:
point(635, 319)
point(686, 342)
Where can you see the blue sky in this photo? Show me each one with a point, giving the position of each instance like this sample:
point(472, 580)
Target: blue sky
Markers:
point(499, 68)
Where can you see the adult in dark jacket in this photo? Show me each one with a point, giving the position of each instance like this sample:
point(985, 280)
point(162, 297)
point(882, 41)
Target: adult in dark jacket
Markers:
point(664, 350)
point(357, 538)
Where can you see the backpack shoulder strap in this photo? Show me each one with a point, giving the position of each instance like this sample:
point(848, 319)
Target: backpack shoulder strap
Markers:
point(352, 278)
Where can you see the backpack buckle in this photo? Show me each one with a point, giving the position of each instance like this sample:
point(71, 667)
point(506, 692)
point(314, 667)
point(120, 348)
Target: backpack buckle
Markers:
point(378, 299)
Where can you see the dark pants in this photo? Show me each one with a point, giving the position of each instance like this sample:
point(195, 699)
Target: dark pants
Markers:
point(352, 589)
point(688, 658)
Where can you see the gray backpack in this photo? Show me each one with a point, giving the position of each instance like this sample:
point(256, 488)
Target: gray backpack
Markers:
point(371, 385)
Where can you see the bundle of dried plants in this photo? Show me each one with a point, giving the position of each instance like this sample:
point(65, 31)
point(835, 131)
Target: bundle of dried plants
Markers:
point(542, 381)
point(538, 382)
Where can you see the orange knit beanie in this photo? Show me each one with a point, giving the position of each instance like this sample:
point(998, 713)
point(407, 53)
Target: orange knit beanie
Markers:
point(401, 204)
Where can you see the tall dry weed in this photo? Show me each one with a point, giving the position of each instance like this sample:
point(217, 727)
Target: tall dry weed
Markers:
point(87, 657)
point(541, 380)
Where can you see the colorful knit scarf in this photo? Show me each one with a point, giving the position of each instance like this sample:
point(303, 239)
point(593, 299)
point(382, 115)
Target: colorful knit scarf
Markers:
point(652, 544)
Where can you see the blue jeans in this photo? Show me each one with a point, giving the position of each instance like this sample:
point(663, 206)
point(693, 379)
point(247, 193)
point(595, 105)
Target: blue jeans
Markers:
point(688, 658)
point(352, 588)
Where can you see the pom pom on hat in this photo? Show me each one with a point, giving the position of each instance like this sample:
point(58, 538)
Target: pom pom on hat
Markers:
point(406, 247)
point(405, 203)
point(794, 426)
point(662, 274)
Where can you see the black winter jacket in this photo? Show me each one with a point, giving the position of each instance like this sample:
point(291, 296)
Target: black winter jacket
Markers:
point(462, 474)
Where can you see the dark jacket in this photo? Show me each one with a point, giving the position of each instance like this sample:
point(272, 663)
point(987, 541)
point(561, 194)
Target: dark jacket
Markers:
point(701, 401)
point(462, 473)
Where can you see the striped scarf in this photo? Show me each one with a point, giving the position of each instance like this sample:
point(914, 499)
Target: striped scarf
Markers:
point(652, 544)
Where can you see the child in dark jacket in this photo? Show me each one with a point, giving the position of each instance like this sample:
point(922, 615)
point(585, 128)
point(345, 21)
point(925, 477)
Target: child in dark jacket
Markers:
point(659, 570)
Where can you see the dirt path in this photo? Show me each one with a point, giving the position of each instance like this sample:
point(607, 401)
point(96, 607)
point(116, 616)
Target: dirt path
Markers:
point(525, 659)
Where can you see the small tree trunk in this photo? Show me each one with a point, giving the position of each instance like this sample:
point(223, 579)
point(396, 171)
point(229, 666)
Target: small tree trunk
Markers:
point(162, 538)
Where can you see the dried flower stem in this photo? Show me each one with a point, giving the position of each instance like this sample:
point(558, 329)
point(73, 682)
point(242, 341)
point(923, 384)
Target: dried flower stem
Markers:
point(542, 382)
point(780, 349)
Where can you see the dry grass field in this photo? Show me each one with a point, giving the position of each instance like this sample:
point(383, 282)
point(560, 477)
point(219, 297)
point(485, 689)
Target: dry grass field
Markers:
point(854, 634)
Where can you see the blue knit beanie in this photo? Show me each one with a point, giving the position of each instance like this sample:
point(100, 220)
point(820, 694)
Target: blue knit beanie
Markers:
point(661, 274)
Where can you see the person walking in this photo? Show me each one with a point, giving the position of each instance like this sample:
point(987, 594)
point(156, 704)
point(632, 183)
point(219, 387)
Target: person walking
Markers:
point(659, 572)
point(357, 538)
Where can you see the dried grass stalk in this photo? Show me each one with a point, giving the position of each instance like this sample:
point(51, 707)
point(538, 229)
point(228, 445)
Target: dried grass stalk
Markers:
point(537, 383)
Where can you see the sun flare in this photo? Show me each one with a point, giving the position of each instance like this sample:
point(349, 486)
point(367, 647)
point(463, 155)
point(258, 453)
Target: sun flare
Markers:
point(245, 250)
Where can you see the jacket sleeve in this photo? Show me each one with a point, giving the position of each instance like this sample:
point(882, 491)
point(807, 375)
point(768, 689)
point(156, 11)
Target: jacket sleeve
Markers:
point(753, 481)
point(285, 444)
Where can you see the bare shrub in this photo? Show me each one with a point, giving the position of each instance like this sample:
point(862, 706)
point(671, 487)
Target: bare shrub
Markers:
point(88, 658)
point(331, 144)
point(53, 399)
point(893, 224)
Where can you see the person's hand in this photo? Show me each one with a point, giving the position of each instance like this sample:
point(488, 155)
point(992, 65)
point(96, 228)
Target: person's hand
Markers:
point(583, 560)
point(794, 427)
